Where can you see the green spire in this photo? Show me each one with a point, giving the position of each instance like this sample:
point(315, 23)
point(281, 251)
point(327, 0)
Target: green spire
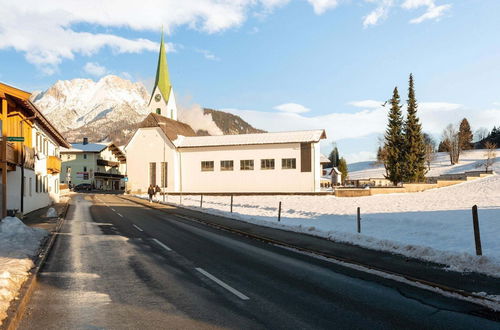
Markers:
point(162, 77)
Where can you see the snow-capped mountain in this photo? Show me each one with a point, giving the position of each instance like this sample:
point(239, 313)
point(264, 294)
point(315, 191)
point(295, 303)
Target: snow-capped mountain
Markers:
point(72, 104)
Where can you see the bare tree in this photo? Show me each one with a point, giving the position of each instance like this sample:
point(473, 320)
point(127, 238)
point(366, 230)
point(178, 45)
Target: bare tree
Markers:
point(451, 143)
point(480, 134)
point(430, 150)
point(490, 155)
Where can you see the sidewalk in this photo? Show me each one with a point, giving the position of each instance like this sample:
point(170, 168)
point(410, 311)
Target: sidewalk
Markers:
point(39, 219)
point(427, 273)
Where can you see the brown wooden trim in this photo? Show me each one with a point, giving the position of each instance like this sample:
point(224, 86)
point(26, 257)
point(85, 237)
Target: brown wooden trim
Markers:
point(305, 157)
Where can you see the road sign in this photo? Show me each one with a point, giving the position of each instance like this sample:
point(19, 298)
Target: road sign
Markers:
point(125, 179)
point(15, 138)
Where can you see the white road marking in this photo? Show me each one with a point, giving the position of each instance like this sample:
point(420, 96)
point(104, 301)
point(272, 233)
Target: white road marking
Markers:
point(119, 214)
point(112, 209)
point(161, 244)
point(222, 284)
point(137, 227)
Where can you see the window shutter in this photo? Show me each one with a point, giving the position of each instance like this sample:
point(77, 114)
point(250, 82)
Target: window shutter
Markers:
point(305, 157)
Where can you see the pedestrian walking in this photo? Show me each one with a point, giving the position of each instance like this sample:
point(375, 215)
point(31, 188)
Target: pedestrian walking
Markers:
point(151, 192)
point(157, 190)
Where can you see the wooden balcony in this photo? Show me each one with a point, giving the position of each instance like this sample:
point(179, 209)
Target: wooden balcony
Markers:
point(12, 155)
point(53, 164)
point(103, 162)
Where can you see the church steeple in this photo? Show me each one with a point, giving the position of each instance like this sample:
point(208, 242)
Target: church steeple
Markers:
point(162, 100)
point(162, 78)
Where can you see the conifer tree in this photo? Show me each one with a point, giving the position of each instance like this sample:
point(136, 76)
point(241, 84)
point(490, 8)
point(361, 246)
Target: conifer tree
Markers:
point(334, 156)
point(343, 169)
point(415, 168)
point(394, 141)
point(465, 135)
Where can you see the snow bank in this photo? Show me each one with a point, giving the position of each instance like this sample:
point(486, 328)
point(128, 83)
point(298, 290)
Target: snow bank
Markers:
point(470, 160)
point(18, 244)
point(435, 225)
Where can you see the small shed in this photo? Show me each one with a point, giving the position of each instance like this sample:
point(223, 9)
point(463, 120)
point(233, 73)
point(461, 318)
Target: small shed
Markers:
point(336, 176)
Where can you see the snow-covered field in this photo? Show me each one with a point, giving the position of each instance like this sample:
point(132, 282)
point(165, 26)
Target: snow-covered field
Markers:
point(18, 244)
point(470, 160)
point(435, 225)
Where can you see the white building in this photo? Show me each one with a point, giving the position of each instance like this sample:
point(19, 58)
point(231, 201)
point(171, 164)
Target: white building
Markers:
point(167, 153)
point(101, 165)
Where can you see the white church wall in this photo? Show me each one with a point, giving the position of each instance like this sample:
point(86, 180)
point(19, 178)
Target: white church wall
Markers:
point(256, 180)
point(149, 145)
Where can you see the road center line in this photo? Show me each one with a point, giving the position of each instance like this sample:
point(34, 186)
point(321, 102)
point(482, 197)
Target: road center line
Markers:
point(119, 214)
point(112, 209)
point(161, 244)
point(137, 227)
point(222, 284)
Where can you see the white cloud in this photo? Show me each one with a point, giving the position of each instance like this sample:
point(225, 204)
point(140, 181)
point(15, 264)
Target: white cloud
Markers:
point(366, 104)
point(320, 6)
point(95, 69)
point(292, 108)
point(433, 11)
point(208, 54)
point(378, 14)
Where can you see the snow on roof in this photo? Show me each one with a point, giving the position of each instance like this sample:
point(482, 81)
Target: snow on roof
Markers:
point(248, 139)
point(323, 159)
point(89, 147)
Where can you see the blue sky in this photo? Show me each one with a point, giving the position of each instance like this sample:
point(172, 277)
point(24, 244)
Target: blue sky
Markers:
point(281, 65)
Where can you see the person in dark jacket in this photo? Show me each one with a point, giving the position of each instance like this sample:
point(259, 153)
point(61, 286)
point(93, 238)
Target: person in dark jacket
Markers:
point(151, 192)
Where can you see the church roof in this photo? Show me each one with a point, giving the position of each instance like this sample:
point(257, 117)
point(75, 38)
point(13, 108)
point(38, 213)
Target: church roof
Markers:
point(171, 128)
point(162, 80)
point(250, 139)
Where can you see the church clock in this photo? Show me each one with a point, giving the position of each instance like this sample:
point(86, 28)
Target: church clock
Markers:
point(157, 97)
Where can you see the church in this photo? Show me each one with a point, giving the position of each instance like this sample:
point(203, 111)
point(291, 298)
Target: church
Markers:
point(166, 152)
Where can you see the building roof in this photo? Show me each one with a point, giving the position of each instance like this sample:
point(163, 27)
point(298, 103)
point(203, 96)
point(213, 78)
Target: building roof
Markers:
point(162, 80)
point(250, 139)
point(89, 147)
point(172, 128)
point(323, 159)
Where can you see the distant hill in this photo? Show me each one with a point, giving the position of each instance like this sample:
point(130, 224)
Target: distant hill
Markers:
point(111, 109)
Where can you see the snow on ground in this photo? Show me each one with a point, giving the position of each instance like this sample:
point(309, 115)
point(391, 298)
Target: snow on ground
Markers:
point(18, 244)
point(470, 160)
point(434, 225)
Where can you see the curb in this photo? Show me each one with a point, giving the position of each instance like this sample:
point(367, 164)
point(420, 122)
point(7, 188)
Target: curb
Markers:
point(18, 307)
point(424, 284)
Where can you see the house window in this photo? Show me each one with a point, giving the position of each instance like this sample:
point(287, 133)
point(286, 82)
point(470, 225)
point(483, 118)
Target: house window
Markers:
point(164, 176)
point(246, 165)
point(207, 166)
point(24, 186)
point(288, 163)
point(31, 186)
point(152, 174)
point(267, 164)
point(36, 183)
point(158, 111)
point(85, 168)
point(84, 156)
point(226, 165)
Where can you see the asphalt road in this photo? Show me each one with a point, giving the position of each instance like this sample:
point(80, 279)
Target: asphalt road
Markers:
point(119, 265)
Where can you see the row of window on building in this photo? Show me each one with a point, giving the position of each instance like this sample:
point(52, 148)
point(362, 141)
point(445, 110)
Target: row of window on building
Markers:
point(42, 145)
point(41, 185)
point(248, 164)
point(163, 174)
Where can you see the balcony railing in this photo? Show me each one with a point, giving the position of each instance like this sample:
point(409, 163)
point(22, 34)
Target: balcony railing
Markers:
point(53, 164)
point(108, 175)
point(11, 155)
point(103, 162)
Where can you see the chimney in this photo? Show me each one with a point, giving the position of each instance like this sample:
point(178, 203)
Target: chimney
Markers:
point(85, 140)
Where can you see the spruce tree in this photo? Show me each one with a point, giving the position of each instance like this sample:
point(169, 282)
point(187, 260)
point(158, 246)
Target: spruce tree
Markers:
point(334, 156)
point(415, 168)
point(465, 135)
point(394, 141)
point(343, 169)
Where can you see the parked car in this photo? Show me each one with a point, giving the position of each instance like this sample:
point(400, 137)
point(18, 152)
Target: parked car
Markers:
point(83, 187)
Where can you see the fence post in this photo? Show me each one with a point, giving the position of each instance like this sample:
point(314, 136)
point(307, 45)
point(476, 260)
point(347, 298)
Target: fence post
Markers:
point(201, 201)
point(477, 236)
point(359, 219)
point(231, 203)
point(279, 212)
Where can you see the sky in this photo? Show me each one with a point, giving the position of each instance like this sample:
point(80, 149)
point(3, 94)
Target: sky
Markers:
point(279, 64)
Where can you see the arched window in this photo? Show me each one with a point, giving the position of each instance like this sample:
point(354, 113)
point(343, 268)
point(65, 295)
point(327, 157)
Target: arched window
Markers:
point(172, 114)
point(158, 111)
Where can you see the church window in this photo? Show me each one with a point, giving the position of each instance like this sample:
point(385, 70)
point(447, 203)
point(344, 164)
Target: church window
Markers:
point(246, 165)
point(164, 172)
point(158, 111)
point(226, 165)
point(288, 163)
point(207, 166)
point(172, 114)
point(267, 164)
